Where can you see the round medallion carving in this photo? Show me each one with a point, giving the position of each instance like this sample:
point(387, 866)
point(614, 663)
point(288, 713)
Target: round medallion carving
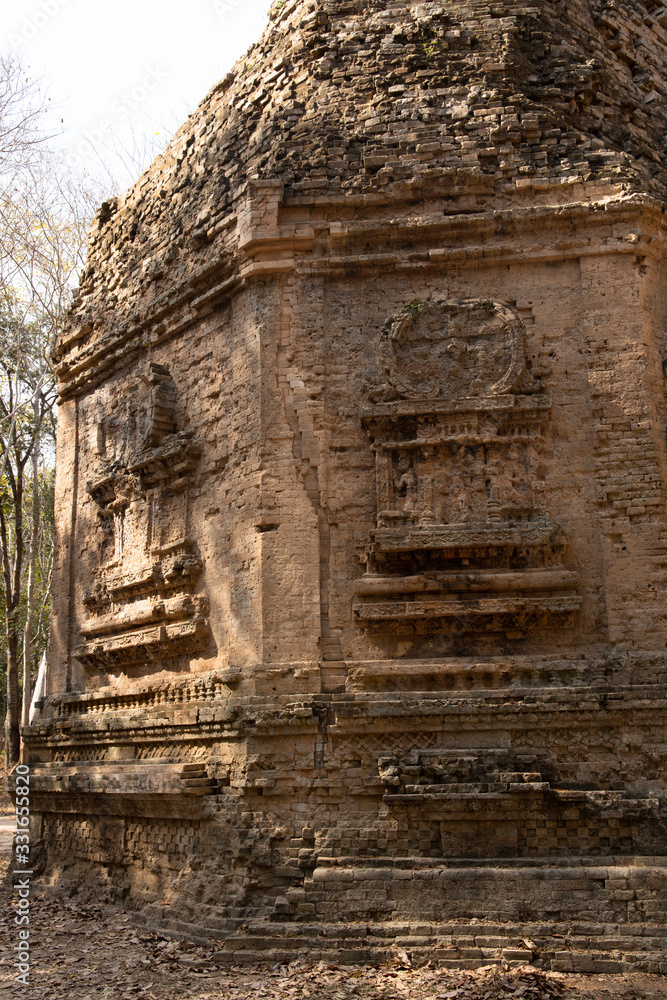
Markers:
point(453, 349)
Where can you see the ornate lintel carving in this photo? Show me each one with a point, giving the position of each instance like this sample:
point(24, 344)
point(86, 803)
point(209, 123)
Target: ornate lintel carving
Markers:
point(454, 350)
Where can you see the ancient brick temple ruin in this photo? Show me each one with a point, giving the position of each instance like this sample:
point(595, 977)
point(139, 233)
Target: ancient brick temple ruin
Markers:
point(360, 625)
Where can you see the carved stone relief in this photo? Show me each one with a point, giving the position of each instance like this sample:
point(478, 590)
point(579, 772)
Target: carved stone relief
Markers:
point(142, 606)
point(463, 541)
point(453, 350)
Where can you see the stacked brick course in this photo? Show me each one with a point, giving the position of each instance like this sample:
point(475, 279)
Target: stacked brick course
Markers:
point(359, 617)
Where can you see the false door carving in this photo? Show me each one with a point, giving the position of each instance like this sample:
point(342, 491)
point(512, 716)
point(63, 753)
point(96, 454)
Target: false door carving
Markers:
point(143, 607)
point(463, 541)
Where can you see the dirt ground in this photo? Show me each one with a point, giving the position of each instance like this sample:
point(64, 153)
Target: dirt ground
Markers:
point(86, 952)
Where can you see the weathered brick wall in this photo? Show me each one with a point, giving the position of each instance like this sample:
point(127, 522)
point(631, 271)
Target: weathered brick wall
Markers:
point(359, 624)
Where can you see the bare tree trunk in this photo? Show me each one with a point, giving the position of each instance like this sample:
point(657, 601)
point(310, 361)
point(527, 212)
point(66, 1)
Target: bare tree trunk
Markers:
point(12, 732)
point(12, 741)
point(12, 581)
point(32, 566)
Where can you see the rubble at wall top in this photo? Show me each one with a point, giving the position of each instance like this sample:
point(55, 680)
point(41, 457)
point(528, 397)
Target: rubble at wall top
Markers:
point(374, 102)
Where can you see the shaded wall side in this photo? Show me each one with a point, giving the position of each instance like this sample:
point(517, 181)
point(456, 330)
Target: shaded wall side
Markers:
point(213, 375)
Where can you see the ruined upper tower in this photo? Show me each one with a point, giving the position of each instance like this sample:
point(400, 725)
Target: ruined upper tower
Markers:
point(359, 621)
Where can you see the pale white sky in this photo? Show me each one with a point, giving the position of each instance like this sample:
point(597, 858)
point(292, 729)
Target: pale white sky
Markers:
point(119, 72)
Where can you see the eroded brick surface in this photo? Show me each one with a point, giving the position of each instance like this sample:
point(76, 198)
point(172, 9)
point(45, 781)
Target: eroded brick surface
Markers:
point(359, 618)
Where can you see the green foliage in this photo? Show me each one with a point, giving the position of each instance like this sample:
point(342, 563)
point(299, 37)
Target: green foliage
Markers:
point(40, 632)
point(415, 307)
point(429, 42)
point(27, 453)
point(276, 8)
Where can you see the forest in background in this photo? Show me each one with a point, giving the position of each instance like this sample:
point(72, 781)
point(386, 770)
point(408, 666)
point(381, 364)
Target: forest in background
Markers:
point(45, 212)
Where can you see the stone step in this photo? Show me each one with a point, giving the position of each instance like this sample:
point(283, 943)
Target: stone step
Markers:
point(582, 947)
point(415, 861)
point(275, 948)
point(487, 935)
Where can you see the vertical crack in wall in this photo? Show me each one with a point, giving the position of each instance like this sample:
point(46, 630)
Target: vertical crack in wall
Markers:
point(322, 739)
